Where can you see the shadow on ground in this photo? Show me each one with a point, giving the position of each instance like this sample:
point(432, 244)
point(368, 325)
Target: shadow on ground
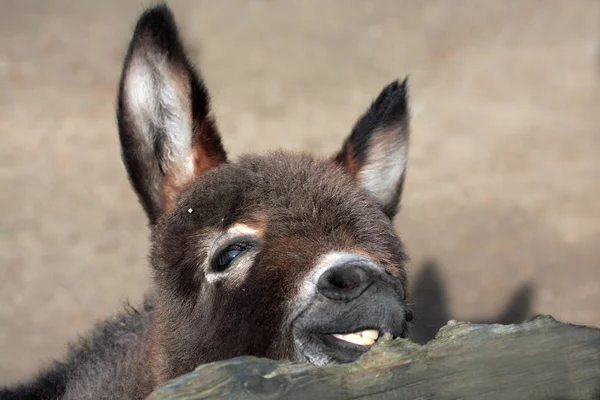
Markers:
point(430, 305)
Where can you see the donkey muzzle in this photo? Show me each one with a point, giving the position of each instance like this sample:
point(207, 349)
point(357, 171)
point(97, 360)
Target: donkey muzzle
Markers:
point(354, 303)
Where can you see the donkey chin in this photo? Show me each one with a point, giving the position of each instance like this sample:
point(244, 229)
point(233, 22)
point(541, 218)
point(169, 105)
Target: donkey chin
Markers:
point(354, 303)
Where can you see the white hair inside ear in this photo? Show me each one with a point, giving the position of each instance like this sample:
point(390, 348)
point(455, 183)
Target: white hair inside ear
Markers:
point(385, 165)
point(158, 99)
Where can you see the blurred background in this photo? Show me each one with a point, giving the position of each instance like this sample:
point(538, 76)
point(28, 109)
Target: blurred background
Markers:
point(501, 211)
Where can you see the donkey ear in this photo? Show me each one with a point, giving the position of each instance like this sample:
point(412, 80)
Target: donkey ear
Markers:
point(376, 151)
point(167, 136)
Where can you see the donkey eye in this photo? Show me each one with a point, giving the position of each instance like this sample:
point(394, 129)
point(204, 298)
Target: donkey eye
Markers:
point(225, 257)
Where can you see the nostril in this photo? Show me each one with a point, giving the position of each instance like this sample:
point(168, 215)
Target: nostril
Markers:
point(344, 282)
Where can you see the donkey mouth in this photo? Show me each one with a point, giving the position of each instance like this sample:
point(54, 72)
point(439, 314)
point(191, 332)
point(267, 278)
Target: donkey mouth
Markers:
point(343, 346)
point(332, 335)
point(345, 341)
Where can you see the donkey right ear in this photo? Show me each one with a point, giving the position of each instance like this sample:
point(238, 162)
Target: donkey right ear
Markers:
point(168, 137)
point(376, 151)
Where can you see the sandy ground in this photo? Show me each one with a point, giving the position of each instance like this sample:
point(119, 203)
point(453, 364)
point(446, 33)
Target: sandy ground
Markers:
point(501, 213)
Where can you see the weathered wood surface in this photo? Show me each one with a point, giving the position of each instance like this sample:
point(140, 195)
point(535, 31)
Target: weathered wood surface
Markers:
point(539, 359)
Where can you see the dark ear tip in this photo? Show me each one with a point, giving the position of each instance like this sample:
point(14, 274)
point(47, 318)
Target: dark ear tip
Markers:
point(397, 88)
point(155, 17)
point(404, 85)
point(156, 26)
point(392, 102)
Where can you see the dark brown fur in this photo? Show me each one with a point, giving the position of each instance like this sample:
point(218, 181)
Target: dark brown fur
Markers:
point(301, 207)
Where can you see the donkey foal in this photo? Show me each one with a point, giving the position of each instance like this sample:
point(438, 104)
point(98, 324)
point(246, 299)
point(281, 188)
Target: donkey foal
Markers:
point(284, 256)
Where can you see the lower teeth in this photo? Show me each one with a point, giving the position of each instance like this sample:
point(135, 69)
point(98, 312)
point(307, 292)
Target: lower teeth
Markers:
point(355, 338)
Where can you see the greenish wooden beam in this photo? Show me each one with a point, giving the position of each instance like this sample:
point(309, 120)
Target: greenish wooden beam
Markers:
point(539, 359)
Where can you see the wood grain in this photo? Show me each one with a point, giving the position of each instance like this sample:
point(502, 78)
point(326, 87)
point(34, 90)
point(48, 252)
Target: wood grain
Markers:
point(539, 359)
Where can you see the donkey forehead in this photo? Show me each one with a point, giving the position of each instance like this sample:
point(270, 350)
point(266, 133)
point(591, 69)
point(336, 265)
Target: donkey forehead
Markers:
point(295, 202)
point(279, 187)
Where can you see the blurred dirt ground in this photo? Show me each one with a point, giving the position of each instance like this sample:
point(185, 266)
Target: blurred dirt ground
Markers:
point(501, 210)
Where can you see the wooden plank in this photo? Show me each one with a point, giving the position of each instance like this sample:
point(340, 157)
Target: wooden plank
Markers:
point(539, 359)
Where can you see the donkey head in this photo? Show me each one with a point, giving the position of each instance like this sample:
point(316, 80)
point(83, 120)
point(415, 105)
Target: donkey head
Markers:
point(279, 255)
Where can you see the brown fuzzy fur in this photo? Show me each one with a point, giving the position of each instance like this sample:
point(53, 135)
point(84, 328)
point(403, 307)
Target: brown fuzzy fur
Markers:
point(303, 208)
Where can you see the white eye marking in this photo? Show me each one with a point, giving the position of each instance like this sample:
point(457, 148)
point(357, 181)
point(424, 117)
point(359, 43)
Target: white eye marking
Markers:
point(236, 275)
point(243, 229)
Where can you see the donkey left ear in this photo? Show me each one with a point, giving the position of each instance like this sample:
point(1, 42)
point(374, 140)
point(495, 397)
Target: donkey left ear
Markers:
point(168, 136)
point(376, 151)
